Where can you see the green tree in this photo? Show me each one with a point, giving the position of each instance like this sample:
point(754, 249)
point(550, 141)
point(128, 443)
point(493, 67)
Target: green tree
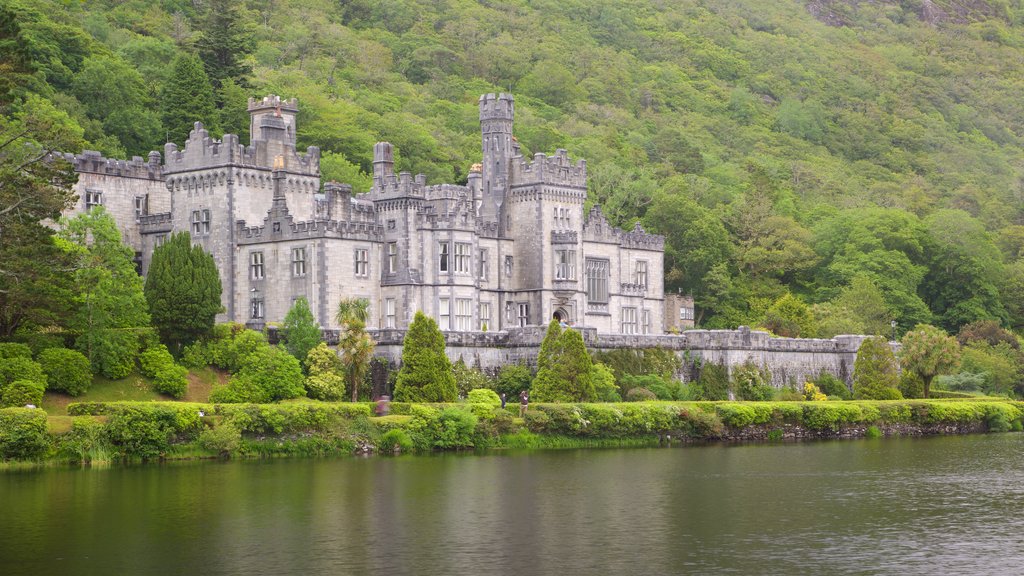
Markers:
point(225, 41)
point(234, 110)
point(928, 352)
point(300, 331)
point(187, 98)
point(183, 291)
point(567, 372)
point(789, 316)
point(110, 308)
point(426, 373)
point(66, 370)
point(35, 278)
point(875, 376)
point(268, 374)
point(326, 380)
point(354, 343)
point(549, 346)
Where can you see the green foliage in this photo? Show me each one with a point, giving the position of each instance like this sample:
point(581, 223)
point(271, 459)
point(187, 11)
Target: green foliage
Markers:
point(267, 374)
point(426, 373)
point(605, 389)
point(111, 313)
point(663, 389)
point(14, 350)
point(640, 394)
point(187, 97)
point(713, 383)
point(454, 429)
point(468, 379)
point(640, 362)
point(355, 344)
point(833, 386)
point(225, 41)
point(395, 440)
point(325, 380)
point(483, 396)
point(22, 393)
point(512, 379)
point(300, 332)
point(874, 372)
point(66, 370)
point(19, 368)
point(791, 317)
point(168, 378)
point(752, 383)
point(183, 290)
point(85, 442)
point(222, 439)
point(147, 430)
point(23, 433)
point(928, 352)
point(911, 385)
point(565, 374)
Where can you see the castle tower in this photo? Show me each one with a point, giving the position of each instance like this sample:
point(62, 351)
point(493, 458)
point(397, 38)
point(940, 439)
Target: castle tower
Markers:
point(496, 114)
point(383, 163)
point(272, 119)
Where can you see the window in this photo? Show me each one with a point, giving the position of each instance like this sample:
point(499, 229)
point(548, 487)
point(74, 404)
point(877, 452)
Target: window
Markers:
point(141, 206)
point(256, 265)
point(200, 222)
point(640, 278)
point(196, 225)
point(362, 262)
point(444, 314)
point(485, 315)
point(392, 257)
point(565, 264)
point(686, 313)
point(562, 221)
point(645, 326)
point(442, 257)
point(597, 280)
point(391, 224)
point(463, 314)
point(93, 198)
point(629, 320)
point(508, 313)
point(462, 259)
point(482, 274)
point(298, 262)
point(524, 314)
point(508, 266)
point(205, 221)
point(389, 313)
point(257, 308)
point(159, 240)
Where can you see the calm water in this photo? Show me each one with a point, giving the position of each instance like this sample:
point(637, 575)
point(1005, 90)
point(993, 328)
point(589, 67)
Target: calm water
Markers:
point(908, 506)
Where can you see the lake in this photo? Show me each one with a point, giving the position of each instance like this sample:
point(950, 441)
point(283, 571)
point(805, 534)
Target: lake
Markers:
point(947, 505)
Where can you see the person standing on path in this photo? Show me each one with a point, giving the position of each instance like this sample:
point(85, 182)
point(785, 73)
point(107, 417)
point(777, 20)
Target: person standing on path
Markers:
point(502, 400)
point(524, 403)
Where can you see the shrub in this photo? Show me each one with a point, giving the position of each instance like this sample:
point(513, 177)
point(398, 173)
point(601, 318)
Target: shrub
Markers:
point(20, 368)
point(147, 431)
point(426, 373)
point(512, 379)
point(23, 433)
point(467, 379)
point(326, 380)
point(171, 380)
point(197, 355)
point(640, 395)
point(537, 421)
point(483, 396)
point(656, 384)
point(22, 393)
point(874, 371)
point(605, 389)
point(268, 374)
point(713, 382)
point(154, 360)
point(752, 383)
point(222, 439)
point(455, 429)
point(15, 350)
point(911, 385)
point(812, 393)
point(395, 440)
point(297, 418)
point(66, 370)
point(873, 432)
point(832, 386)
point(566, 375)
point(85, 442)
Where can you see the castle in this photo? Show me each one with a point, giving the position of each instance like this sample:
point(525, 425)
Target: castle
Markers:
point(512, 248)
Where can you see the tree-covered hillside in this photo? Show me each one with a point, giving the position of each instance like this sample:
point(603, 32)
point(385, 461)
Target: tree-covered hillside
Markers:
point(817, 167)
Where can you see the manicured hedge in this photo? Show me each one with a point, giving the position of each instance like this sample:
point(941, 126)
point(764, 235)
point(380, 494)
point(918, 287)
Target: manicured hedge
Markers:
point(289, 418)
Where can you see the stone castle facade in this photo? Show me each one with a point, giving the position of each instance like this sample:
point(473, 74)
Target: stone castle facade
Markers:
point(512, 248)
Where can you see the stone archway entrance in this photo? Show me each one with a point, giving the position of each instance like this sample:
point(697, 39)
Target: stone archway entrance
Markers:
point(561, 315)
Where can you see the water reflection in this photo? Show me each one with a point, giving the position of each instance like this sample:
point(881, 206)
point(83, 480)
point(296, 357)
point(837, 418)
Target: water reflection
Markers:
point(911, 506)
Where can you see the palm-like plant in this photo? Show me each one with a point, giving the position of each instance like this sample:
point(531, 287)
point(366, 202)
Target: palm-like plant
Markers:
point(354, 343)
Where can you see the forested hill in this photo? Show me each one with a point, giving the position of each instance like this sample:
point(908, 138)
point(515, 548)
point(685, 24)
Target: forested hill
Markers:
point(865, 158)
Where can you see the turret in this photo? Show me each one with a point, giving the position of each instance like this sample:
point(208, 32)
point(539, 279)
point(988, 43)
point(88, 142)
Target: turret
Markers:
point(496, 114)
point(383, 163)
point(272, 118)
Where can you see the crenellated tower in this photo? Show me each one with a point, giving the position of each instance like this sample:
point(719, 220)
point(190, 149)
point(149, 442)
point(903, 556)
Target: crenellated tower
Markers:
point(498, 146)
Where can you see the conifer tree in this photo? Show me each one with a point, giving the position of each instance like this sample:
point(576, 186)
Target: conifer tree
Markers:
point(187, 98)
point(567, 374)
point(225, 42)
point(183, 291)
point(426, 374)
point(110, 308)
point(874, 371)
point(301, 331)
point(549, 345)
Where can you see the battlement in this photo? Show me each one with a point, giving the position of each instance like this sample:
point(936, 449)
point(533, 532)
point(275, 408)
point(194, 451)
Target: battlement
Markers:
point(155, 223)
point(447, 192)
point(273, 102)
point(363, 230)
point(557, 170)
point(203, 151)
point(90, 161)
point(639, 239)
point(497, 107)
point(564, 237)
point(401, 186)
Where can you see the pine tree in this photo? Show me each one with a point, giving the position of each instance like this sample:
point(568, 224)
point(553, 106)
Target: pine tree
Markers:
point(874, 371)
point(110, 307)
point(225, 42)
point(549, 345)
point(187, 98)
point(426, 374)
point(301, 331)
point(183, 290)
point(567, 374)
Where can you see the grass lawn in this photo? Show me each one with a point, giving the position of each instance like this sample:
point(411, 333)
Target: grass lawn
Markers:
point(136, 388)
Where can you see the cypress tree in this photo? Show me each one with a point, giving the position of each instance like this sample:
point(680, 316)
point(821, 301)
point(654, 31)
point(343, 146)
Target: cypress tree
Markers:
point(567, 374)
point(549, 345)
point(874, 371)
point(301, 331)
point(187, 98)
point(183, 290)
point(426, 374)
point(225, 42)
